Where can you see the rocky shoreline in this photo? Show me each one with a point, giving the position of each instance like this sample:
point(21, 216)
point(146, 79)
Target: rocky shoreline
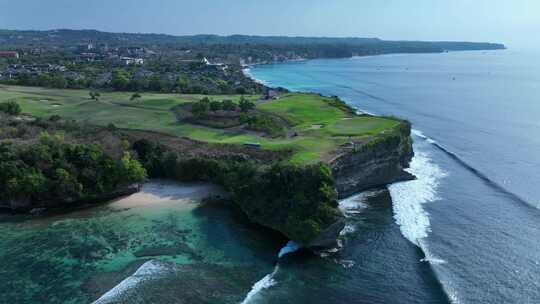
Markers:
point(25, 206)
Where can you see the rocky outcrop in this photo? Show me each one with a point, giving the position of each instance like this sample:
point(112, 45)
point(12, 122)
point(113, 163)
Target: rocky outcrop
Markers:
point(24, 205)
point(328, 238)
point(375, 163)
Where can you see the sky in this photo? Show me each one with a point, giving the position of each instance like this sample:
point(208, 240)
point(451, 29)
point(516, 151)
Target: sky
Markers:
point(513, 22)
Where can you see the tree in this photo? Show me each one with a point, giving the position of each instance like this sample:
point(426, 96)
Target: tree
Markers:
point(182, 84)
point(135, 96)
point(23, 79)
point(132, 170)
point(228, 105)
point(120, 79)
point(44, 80)
point(66, 186)
point(58, 82)
point(200, 108)
point(215, 106)
point(245, 105)
point(155, 83)
point(223, 86)
point(55, 118)
point(11, 108)
point(241, 90)
point(94, 95)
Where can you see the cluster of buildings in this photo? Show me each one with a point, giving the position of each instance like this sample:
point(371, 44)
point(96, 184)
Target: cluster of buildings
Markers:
point(15, 69)
point(127, 56)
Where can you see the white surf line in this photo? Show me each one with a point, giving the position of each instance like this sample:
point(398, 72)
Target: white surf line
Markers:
point(146, 271)
point(423, 136)
point(268, 280)
point(247, 72)
point(409, 197)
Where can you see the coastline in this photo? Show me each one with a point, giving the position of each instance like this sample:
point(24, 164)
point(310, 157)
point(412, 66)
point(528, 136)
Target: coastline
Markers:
point(246, 68)
point(59, 207)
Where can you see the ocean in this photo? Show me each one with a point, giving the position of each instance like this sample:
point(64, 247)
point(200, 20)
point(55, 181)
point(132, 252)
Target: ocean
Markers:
point(469, 226)
point(467, 230)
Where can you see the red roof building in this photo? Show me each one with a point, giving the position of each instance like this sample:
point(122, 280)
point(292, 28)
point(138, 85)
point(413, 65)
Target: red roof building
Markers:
point(9, 54)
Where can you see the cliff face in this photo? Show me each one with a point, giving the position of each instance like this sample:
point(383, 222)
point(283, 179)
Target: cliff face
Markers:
point(374, 164)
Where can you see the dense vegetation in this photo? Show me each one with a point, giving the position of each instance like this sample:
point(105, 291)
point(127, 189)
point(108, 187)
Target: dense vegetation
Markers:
point(264, 123)
point(48, 170)
point(299, 201)
point(161, 76)
point(228, 114)
point(10, 108)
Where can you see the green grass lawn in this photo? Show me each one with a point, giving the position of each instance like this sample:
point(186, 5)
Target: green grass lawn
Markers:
point(320, 127)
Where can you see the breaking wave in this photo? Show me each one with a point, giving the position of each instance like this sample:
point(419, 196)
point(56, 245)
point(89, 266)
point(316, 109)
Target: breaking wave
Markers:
point(148, 270)
point(409, 197)
point(266, 282)
point(354, 204)
point(247, 73)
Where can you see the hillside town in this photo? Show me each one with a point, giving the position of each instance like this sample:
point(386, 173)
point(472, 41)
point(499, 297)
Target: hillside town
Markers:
point(132, 68)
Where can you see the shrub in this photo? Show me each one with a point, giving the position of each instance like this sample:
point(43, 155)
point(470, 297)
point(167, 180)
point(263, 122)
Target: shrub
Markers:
point(264, 124)
point(245, 105)
point(11, 108)
point(228, 105)
point(215, 106)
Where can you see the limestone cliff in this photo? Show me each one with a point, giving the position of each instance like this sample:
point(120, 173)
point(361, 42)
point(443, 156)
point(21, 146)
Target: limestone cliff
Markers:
point(375, 163)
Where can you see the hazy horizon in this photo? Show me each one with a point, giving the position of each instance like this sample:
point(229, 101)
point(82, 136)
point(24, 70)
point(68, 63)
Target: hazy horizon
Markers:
point(514, 23)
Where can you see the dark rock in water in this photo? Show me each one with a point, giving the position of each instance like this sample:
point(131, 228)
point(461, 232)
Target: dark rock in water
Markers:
point(38, 211)
point(25, 205)
point(168, 251)
point(328, 238)
point(17, 204)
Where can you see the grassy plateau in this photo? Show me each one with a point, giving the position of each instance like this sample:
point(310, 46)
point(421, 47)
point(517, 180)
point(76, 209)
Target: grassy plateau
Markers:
point(318, 127)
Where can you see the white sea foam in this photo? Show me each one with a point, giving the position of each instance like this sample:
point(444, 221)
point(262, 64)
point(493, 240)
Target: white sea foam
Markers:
point(348, 229)
point(361, 111)
point(423, 136)
point(418, 133)
point(430, 257)
point(355, 204)
point(148, 270)
point(247, 73)
point(289, 248)
point(409, 197)
point(266, 282)
point(347, 263)
point(409, 213)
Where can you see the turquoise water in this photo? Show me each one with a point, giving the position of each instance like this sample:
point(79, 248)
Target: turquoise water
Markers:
point(77, 257)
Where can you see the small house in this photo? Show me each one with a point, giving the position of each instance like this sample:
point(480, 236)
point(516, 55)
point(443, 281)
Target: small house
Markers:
point(9, 54)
